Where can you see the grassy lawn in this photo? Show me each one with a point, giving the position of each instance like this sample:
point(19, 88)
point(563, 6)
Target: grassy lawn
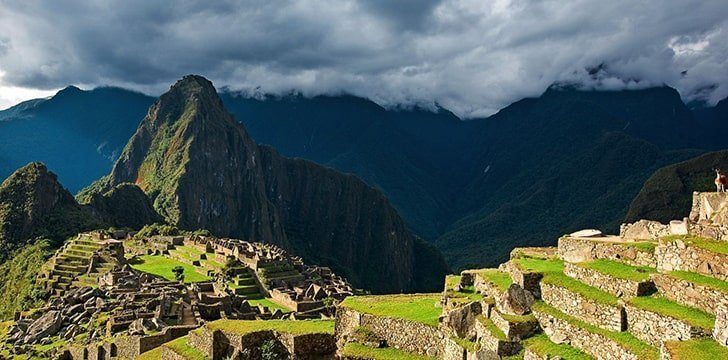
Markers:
point(294, 327)
point(365, 352)
point(417, 307)
point(619, 270)
point(183, 349)
point(720, 247)
point(696, 349)
point(541, 345)
point(703, 280)
point(162, 266)
point(553, 274)
point(496, 278)
point(665, 307)
point(625, 339)
point(272, 305)
point(467, 293)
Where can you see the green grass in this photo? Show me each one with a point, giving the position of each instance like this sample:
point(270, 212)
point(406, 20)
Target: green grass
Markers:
point(466, 344)
point(625, 339)
point(545, 348)
point(154, 354)
point(272, 305)
point(644, 246)
point(490, 326)
point(553, 274)
point(162, 266)
point(720, 247)
point(294, 327)
point(496, 278)
point(702, 280)
point(665, 307)
point(697, 349)
point(364, 352)
point(517, 318)
point(466, 293)
point(619, 270)
point(416, 307)
point(183, 349)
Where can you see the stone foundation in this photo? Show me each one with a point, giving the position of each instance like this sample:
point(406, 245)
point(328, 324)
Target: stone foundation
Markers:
point(527, 280)
point(644, 230)
point(615, 286)
point(688, 293)
point(676, 255)
point(654, 328)
point(609, 317)
point(601, 347)
point(578, 250)
point(491, 343)
point(720, 331)
point(514, 330)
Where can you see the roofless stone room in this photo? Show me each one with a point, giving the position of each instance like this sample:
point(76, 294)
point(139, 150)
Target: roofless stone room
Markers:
point(363, 180)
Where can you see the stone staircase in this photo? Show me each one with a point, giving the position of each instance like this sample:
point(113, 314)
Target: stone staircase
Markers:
point(244, 284)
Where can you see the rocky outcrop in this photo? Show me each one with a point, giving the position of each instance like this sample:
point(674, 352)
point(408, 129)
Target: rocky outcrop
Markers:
point(124, 206)
point(515, 301)
point(202, 170)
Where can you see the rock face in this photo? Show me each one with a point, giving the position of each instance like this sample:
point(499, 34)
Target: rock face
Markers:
point(33, 204)
point(125, 205)
point(45, 326)
point(202, 170)
point(515, 301)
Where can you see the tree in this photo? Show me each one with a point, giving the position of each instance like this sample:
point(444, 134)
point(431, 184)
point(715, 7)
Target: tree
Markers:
point(179, 273)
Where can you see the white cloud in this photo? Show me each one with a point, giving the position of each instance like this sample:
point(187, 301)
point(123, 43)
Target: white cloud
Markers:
point(472, 56)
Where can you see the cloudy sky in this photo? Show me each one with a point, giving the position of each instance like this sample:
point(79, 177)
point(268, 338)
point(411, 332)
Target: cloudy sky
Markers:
point(471, 56)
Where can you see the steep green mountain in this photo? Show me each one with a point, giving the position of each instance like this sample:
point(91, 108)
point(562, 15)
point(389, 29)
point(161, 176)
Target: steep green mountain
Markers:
point(202, 170)
point(124, 206)
point(79, 134)
point(33, 204)
point(18, 288)
point(667, 194)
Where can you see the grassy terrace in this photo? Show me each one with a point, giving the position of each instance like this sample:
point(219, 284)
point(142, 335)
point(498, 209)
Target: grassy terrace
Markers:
point(553, 274)
point(294, 327)
point(365, 352)
point(720, 247)
point(154, 354)
point(696, 349)
point(625, 339)
point(541, 345)
point(665, 307)
point(702, 280)
point(490, 326)
point(467, 293)
point(619, 270)
point(162, 266)
point(269, 303)
point(417, 307)
point(495, 277)
point(181, 348)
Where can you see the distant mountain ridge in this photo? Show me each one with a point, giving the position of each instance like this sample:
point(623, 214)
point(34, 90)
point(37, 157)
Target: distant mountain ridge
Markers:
point(536, 169)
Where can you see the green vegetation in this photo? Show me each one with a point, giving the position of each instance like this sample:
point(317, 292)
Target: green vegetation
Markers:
point(696, 349)
point(625, 339)
point(183, 349)
point(516, 318)
point(702, 280)
point(545, 348)
point(154, 354)
point(720, 247)
point(537, 265)
point(619, 270)
point(490, 326)
point(496, 278)
point(156, 229)
point(162, 266)
point(364, 352)
point(466, 294)
point(644, 246)
point(665, 307)
point(466, 344)
point(417, 307)
point(269, 303)
point(295, 327)
point(18, 289)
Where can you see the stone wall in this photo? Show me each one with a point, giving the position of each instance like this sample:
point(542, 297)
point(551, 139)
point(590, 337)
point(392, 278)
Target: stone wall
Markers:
point(601, 347)
point(644, 229)
point(581, 249)
point(490, 343)
point(654, 328)
point(527, 280)
point(609, 317)
point(709, 207)
point(407, 335)
point(615, 286)
point(459, 321)
point(677, 255)
point(720, 331)
point(514, 331)
point(688, 293)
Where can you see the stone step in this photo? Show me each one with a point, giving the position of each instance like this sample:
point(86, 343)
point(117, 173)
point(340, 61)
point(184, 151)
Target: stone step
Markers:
point(540, 347)
point(83, 247)
point(655, 319)
point(79, 253)
point(515, 327)
point(693, 350)
point(634, 253)
point(699, 255)
point(613, 277)
point(246, 289)
point(244, 281)
point(70, 268)
point(73, 257)
point(597, 342)
point(692, 289)
point(491, 338)
point(62, 273)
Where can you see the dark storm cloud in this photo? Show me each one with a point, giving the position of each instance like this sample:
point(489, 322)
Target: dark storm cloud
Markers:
point(473, 56)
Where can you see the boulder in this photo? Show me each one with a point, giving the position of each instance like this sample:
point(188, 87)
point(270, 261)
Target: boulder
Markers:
point(459, 321)
point(47, 325)
point(141, 326)
point(586, 233)
point(515, 301)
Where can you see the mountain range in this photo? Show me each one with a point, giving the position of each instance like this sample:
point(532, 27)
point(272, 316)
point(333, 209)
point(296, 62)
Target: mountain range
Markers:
point(538, 168)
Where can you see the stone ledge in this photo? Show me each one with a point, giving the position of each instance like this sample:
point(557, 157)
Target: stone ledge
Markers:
point(677, 254)
point(689, 293)
point(609, 317)
point(607, 283)
point(515, 328)
point(491, 339)
point(635, 253)
point(528, 280)
point(654, 328)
